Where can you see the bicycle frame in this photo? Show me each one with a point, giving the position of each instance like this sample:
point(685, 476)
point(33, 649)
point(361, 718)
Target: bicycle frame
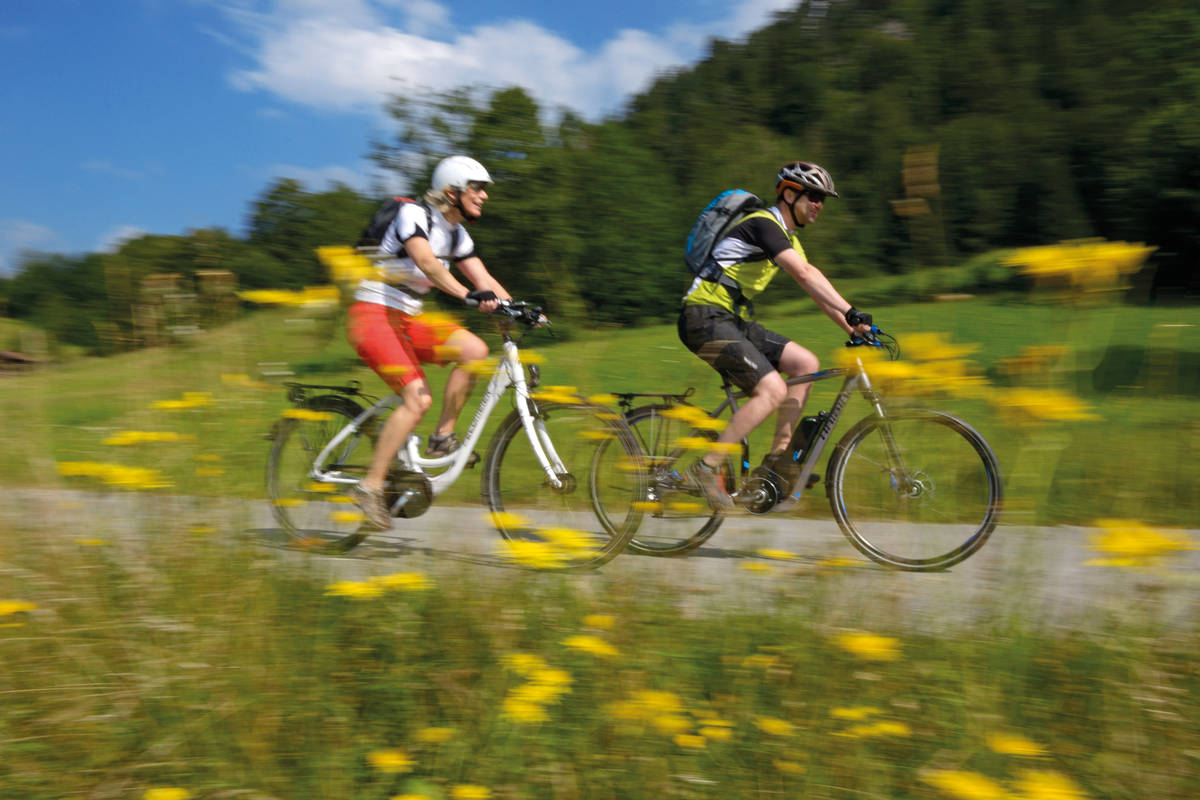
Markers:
point(856, 380)
point(509, 373)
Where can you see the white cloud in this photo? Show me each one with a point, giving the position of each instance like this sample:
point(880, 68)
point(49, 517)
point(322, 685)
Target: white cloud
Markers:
point(17, 235)
point(321, 178)
point(111, 242)
point(109, 168)
point(341, 55)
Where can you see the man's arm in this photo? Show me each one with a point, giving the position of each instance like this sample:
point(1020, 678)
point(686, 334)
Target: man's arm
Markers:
point(813, 281)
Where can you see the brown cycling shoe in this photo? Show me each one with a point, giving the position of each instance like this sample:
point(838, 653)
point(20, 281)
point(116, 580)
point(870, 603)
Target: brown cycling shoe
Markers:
point(373, 507)
point(712, 484)
point(441, 445)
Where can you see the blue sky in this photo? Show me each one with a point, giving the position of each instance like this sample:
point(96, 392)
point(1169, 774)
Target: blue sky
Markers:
point(159, 116)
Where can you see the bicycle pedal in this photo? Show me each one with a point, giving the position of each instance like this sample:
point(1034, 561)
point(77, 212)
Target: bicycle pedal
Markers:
point(473, 459)
point(812, 481)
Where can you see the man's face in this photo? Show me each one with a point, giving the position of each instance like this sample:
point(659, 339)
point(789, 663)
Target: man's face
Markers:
point(808, 207)
point(472, 199)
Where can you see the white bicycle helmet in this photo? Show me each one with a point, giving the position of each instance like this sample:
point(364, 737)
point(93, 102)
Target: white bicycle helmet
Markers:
point(455, 172)
point(803, 176)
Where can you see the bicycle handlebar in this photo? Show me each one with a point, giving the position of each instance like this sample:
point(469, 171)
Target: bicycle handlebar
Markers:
point(875, 337)
point(518, 310)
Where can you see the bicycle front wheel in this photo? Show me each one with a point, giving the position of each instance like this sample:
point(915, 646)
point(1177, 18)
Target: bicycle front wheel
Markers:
point(918, 490)
point(674, 516)
point(554, 523)
point(310, 511)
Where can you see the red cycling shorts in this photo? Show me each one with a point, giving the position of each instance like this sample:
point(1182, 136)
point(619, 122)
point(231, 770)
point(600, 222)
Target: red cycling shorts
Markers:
point(395, 345)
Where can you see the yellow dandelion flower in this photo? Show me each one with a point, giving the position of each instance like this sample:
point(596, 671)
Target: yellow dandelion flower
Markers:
point(166, 793)
point(966, 785)
point(320, 488)
point(839, 561)
point(523, 663)
point(507, 520)
point(1048, 785)
point(435, 735)
point(356, 589)
point(593, 645)
point(392, 760)
point(600, 435)
point(395, 369)
point(1127, 542)
point(484, 366)
point(10, 607)
point(202, 530)
point(788, 767)
point(548, 676)
point(307, 414)
point(410, 796)
point(870, 646)
point(532, 357)
point(404, 581)
point(656, 701)
point(858, 712)
point(92, 542)
point(523, 711)
point(602, 621)
point(1041, 405)
point(774, 727)
point(716, 734)
point(346, 517)
point(670, 724)
point(602, 399)
point(289, 502)
point(690, 741)
point(467, 791)
point(881, 728)
point(755, 566)
point(686, 507)
point(1012, 745)
point(779, 555)
point(647, 506)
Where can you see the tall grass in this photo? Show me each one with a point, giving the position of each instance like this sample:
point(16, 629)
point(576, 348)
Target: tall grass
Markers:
point(171, 655)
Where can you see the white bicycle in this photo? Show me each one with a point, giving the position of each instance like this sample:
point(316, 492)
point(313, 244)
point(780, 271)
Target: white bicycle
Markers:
point(548, 492)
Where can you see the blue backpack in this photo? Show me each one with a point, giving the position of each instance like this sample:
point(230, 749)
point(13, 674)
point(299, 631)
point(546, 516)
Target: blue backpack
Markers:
point(713, 224)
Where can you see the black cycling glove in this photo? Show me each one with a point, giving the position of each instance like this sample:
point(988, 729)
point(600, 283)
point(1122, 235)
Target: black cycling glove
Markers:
point(854, 318)
point(481, 295)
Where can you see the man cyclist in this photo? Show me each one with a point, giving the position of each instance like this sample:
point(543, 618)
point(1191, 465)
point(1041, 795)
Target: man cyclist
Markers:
point(388, 332)
point(716, 322)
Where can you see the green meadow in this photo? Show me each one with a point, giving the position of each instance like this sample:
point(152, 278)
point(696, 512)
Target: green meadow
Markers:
point(162, 657)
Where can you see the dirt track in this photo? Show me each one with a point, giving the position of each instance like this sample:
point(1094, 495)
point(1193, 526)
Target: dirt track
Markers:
point(1027, 571)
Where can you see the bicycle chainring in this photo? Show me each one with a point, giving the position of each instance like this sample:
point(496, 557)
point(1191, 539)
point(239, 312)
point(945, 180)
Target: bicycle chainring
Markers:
point(416, 485)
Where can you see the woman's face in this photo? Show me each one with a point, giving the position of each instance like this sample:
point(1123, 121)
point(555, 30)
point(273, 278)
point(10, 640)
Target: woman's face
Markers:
point(472, 199)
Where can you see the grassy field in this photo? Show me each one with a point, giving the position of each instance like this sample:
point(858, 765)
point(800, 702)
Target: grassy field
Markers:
point(197, 665)
point(1109, 416)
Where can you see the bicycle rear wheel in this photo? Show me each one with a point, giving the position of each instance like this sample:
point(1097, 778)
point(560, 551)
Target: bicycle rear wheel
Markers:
point(550, 526)
point(919, 490)
point(673, 515)
point(311, 512)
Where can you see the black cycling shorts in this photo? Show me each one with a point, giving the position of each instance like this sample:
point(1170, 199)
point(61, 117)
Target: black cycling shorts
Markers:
point(741, 350)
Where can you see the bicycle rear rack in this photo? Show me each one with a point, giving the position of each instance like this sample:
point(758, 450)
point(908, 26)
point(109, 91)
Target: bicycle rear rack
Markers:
point(299, 392)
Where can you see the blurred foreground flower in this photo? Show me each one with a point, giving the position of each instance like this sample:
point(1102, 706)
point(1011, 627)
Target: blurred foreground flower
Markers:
point(1129, 543)
point(966, 785)
point(375, 586)
point(1048, 785)
point(1087, 265)
point(544, 685)
point(189, 400)
point(308, 297)
point(115, 474)
point(602, 621)
point(1040, 405)
point(870, 646)
point(558, 548)
point(1012, 745)
point(346, 265)
point(931, 364)
point(166, 793)
point(391, 760)
point(125, 438)
point(435, 735)
point(10, 607)
point(467, 791)
point(593, 645)
point(774, 727)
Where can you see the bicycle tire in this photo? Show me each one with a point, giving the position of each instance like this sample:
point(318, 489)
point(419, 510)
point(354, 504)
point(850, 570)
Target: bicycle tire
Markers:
point(943, 509)
point(673, 515)
point(314, 514)
point(548, 527)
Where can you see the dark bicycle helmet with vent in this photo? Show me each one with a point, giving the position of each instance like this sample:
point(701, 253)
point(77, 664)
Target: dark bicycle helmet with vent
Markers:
point(804, 176)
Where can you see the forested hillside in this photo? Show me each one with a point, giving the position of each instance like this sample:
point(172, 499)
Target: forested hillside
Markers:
point(951, 128)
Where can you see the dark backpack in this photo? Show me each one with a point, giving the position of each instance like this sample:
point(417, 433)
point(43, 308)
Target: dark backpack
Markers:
point(372, 235)
point(713, 224)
